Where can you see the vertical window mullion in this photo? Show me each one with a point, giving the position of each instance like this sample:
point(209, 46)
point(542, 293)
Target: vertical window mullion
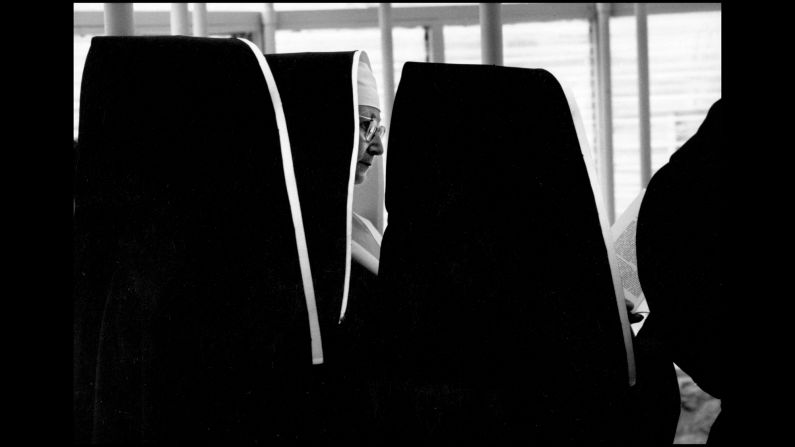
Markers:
point(604, 107)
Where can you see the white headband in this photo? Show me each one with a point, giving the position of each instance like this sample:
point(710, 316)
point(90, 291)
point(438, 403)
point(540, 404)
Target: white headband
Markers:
point(368, 90)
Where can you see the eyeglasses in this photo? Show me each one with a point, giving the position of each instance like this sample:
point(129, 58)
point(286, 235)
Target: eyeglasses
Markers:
point(373, 129)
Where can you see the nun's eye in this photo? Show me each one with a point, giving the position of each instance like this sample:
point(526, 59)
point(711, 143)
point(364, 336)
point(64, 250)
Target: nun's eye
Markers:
point(368, 126)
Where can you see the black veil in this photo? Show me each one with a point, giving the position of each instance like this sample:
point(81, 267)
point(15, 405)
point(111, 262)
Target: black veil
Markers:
point(497, 316)
point(191, 293)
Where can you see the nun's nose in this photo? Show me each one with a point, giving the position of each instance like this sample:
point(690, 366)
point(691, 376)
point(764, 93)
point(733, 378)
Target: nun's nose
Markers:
point(376, 147)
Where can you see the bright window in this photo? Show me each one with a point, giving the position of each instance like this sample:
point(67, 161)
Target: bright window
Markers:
point(684, 63)
point(408, 45)
point(684, 81)
point(562, 47)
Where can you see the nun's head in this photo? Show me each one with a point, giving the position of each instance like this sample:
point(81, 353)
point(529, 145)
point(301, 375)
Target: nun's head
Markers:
point(371, 130)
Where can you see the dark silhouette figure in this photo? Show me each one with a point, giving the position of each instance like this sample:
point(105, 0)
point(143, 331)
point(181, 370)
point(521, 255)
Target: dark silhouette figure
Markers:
point(679, 244)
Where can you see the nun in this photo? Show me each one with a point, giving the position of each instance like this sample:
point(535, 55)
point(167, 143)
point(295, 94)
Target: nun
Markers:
point(196, 315)
point(365, 238)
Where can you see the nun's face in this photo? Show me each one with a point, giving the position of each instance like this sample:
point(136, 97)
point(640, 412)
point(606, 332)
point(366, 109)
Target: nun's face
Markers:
point(368, 150)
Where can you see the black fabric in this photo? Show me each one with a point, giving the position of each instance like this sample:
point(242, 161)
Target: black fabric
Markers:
point(317, 97)
point(653, 404)
point(679, 243)
point(496, 317)
point(317, 94)
point(189, 316)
